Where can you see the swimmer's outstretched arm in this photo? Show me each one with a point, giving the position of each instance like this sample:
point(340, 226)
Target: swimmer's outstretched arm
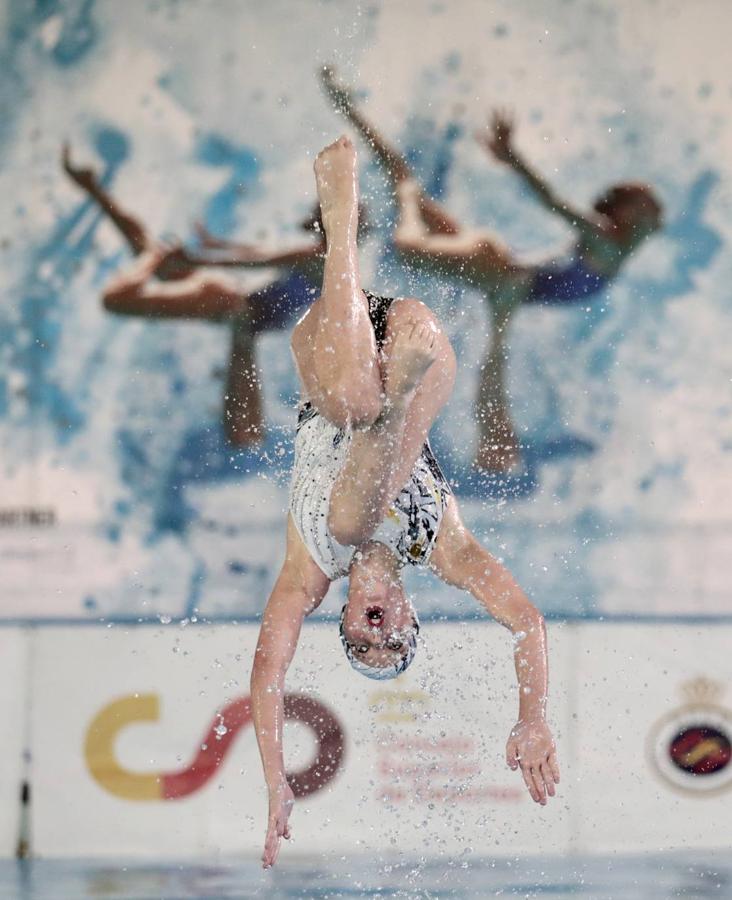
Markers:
point(497, 139)
point(218, 252)
point(299, 589)
point(461, 561)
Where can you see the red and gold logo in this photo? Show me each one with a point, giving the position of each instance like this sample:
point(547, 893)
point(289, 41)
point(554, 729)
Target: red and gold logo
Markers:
point(691, 747)
point(99, 747)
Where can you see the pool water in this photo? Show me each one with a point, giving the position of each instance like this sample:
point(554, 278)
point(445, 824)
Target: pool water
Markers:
point(656, 877)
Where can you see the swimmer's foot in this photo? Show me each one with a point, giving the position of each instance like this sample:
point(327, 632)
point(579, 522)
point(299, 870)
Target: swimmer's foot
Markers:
point(243, 414)
point(337, 182)
point(84, 176)
point(408, 357)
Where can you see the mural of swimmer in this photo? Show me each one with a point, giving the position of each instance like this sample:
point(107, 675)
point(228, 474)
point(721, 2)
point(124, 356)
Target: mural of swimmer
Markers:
point(427, 236)
point(166, 282)
point(368, 497)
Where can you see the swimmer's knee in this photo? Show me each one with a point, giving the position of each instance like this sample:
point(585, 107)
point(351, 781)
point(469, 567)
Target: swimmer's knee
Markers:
point(118, 301)
point(405, 312)
point(345, 407)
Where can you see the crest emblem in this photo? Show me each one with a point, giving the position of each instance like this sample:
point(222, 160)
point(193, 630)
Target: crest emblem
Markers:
point(691, 747)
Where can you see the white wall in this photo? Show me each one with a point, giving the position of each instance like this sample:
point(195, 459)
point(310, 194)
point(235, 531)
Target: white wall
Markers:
point(13, 704)
point(437, 735)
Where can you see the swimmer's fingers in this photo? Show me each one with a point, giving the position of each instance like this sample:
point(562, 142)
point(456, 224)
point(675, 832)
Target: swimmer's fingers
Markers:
point(504, 118)
point(538, 781)
point(512, 754)
point(278, 828)
point(547, 778)
point(529, 781)
point(534, 782)
point(553, 766)
point(271, 844)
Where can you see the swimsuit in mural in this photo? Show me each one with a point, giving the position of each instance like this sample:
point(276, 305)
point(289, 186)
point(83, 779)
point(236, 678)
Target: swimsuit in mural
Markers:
point(279, 303)
point(560, 283)
point(413, 521)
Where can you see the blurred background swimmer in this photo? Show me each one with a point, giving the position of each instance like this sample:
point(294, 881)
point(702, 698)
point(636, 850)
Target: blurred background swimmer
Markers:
point(620, 220)
point(368, 497)
point(166, 282)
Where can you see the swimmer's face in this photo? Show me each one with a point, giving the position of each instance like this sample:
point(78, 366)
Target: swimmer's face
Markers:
point(641, 213)
point(378, 620)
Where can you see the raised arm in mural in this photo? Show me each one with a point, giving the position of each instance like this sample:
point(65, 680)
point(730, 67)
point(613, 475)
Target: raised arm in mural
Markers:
point(169, 282)
point(621, 219)
point(368, 497)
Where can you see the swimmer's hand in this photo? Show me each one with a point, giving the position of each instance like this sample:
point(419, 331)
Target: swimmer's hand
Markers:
point(531, 748)
point(281, 801)
point(497, 137)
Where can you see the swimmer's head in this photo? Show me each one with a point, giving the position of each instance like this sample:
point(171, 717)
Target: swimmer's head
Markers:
point(632, 206)
point(314, 223)
point(379, 625)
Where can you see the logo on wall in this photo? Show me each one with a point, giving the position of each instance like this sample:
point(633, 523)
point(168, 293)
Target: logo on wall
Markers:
point(106, 726)
point(691, 747)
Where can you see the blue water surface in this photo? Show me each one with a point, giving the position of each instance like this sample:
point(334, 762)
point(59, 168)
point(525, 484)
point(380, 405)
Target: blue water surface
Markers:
point(647, 877)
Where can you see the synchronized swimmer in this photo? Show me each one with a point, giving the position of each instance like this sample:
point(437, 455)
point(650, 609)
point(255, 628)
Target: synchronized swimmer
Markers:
point(368, 497)
point(166, 283)
point(620, 220)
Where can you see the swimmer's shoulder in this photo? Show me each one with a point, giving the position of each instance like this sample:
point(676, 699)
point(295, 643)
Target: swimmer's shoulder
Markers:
point(306, 579)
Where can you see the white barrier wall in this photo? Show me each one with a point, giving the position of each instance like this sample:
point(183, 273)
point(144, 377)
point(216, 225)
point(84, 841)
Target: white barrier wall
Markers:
point(142, 744)
point(13, 733)
point(653, 731)
point(423, 759)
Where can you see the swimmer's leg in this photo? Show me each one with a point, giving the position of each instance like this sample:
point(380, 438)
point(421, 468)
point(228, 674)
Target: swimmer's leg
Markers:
point(243, 412)
point(130, 227)
point(498, 445)
point(137, 293)
point(475, 259)
point(419, 372)
point(436, 219)
point(334, 344)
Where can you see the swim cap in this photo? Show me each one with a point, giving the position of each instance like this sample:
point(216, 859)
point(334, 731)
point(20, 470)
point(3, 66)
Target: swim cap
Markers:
point(381, 673)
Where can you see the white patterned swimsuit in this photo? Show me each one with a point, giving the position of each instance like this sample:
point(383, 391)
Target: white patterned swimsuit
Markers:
point(413, 521)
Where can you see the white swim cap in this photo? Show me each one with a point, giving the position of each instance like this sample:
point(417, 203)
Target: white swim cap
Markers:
point(381, 673)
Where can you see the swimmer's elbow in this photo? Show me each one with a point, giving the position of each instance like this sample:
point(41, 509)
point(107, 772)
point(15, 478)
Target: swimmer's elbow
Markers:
point(526, 620)
point(268, 672)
